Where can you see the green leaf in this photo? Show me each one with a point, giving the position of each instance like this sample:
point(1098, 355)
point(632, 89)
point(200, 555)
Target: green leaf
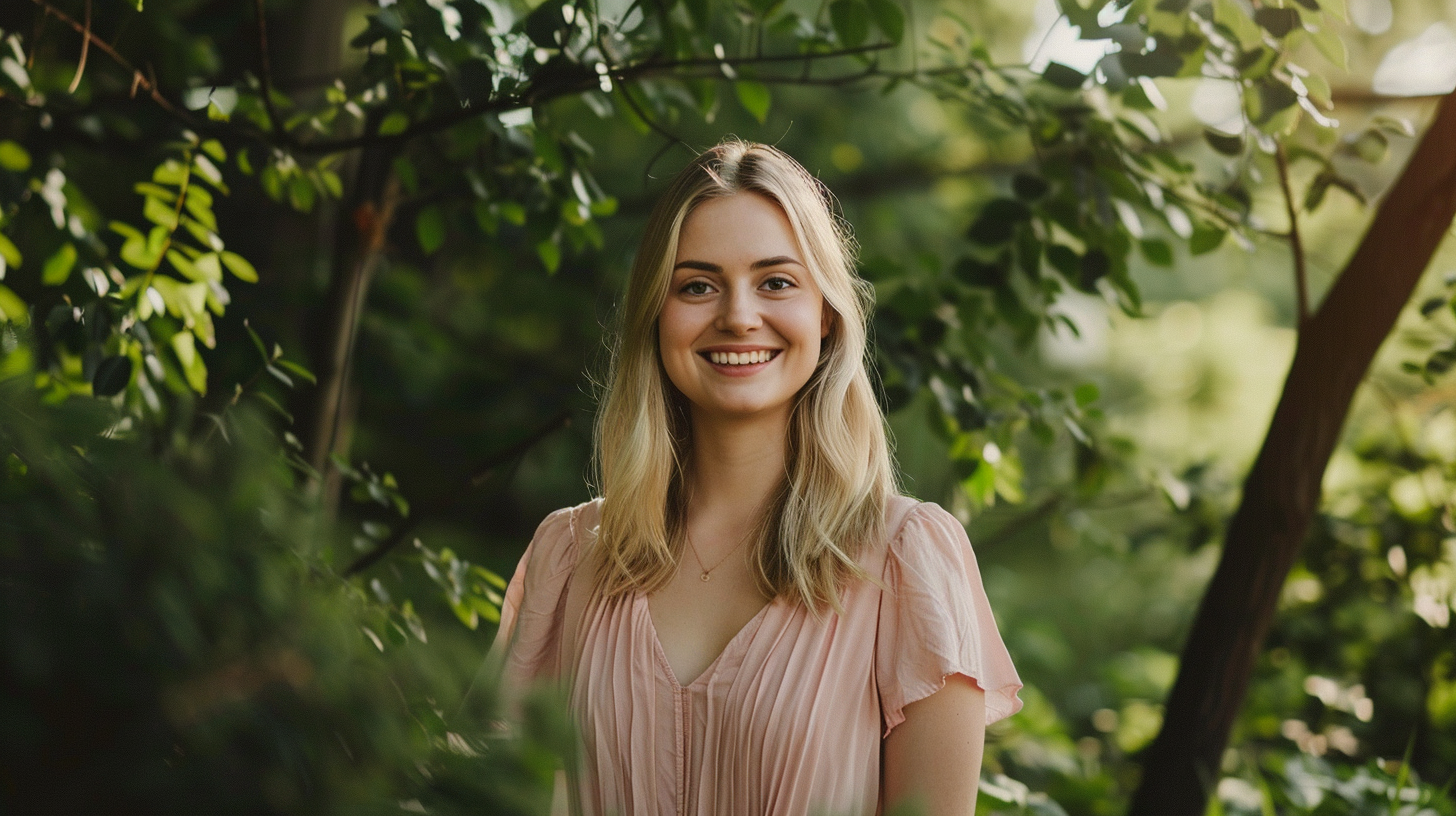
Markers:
point(301, 193)
point(544, 23)
point(851, 21)
point(184, 345)
point(1277, 21)
point(604, 207)
point(1063, 76)
point(997, 221)
point(890, 19)
point(159, 213)
point(299, 371)
point(208, 266)
point(1064, 259)
point(1371, 146)
point(755, 98)
point(1157, 251)
point(550, 255)
point(111, 377)
point(430, 229)
point(1029, 187)
point(9, 252)
point(1231, 15)
point(58, 267)
point(1205, 238)
point(12, 308)
point(1224, 143)
point(1273, 96)
point(154, 190)
point(213, 148)
point(1328, 41)
point(239, 266)
point(513, 212)
point(13, 157)
point(181, 263)
point(395, 123)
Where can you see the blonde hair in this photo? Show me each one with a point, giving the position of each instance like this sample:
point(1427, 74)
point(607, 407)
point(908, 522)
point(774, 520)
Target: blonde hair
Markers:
point(839, 475)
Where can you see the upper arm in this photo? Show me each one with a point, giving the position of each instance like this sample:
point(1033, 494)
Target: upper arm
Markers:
point(934, 756)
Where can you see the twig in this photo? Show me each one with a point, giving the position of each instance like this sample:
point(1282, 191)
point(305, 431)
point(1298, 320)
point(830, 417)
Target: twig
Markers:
point(266, 74)
point(138, 79)
point(85, 49)
point(672, 138)
point(1301, 281)
point(485, 471)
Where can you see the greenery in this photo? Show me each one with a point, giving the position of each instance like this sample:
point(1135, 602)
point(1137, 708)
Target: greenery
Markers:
point(301, 303)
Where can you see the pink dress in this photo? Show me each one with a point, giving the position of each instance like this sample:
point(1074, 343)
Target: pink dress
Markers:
point(789, 718)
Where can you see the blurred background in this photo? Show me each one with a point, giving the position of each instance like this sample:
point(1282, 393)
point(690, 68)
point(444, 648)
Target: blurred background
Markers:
point(305, 307)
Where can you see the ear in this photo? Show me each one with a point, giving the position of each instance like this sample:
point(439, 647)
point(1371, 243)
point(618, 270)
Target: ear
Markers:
point(826, 320)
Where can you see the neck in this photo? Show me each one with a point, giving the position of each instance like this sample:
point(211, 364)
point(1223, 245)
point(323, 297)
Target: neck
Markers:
point(735, 466)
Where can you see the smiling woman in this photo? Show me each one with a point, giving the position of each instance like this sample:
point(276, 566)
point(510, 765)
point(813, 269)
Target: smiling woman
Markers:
point(750, 619)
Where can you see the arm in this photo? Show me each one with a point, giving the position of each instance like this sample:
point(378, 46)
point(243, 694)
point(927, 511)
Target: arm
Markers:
point(933, 758)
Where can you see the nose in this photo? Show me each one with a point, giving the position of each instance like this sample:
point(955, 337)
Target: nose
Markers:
point(738, 312)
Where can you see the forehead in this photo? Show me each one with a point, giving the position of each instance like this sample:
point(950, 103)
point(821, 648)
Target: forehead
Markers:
point(740, 228)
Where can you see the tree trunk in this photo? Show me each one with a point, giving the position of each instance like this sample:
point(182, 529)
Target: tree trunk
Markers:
point(1282, 491)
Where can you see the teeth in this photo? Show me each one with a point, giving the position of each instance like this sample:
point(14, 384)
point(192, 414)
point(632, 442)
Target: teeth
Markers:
point(739, 358)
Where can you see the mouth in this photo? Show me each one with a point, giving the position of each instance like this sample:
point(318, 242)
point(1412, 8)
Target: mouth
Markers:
point(739, 359)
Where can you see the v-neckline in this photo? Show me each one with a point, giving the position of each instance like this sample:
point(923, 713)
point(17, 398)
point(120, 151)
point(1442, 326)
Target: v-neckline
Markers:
point(678, 685)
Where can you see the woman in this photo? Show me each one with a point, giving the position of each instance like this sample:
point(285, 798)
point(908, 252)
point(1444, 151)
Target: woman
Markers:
point(751, 621)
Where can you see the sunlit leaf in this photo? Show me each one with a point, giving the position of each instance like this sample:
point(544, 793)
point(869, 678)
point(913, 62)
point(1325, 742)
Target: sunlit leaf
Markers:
point(58, 267)
point(239, 266)
point(430, 229)
point(13, 157)
point(755, 98)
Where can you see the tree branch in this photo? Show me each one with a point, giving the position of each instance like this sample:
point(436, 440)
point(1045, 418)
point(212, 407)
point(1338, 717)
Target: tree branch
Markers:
point(1282, 492)
point(485, 471)
point(139, 80)
point(1301, 277)
point(85, 49)
point(265, 75)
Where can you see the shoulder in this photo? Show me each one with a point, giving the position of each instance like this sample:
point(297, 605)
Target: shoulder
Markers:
point(909, 521)
point(928, 539)
point(559, 538)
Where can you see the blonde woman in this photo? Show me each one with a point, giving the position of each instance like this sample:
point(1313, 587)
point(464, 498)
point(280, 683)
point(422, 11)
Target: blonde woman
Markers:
point(750, 620)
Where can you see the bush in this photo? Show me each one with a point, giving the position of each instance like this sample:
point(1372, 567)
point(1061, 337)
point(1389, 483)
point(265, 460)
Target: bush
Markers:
point(168, 643)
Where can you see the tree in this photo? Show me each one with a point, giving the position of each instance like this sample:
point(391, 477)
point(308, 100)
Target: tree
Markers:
point(1336, 344)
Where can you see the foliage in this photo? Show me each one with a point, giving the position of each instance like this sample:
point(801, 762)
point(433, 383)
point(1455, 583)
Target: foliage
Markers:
point(170, 646)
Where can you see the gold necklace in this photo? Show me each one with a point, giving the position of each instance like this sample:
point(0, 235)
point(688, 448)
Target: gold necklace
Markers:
point(708, 572)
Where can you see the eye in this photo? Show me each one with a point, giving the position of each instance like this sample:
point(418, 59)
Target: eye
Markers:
point(777, 284)
point(697, 287)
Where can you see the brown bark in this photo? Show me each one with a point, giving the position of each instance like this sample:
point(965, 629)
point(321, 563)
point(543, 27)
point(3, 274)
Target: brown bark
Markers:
point(331, 409)
point(1282, 491)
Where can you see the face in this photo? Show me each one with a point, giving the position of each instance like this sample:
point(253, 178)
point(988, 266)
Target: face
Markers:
point(740, 332)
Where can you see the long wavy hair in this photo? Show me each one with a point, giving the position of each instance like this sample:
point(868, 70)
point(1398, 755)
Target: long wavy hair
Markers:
point(831, 501)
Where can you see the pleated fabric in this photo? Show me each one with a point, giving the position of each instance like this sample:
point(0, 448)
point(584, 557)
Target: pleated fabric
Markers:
point(789, 718)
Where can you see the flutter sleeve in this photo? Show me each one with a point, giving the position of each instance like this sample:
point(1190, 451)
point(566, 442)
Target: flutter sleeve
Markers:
point(529, 638)
point(935, 620)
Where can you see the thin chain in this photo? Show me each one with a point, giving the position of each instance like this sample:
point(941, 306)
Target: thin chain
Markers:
point(707, 573)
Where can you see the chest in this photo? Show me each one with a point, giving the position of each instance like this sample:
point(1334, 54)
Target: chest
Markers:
point(787, 713)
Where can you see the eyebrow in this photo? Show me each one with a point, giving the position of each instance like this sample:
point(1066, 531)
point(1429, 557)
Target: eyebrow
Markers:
point(704, 266)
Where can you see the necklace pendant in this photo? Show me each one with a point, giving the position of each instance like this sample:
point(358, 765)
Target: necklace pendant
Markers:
point(704, 577)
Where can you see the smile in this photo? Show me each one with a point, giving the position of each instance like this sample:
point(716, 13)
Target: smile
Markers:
point(740, 358)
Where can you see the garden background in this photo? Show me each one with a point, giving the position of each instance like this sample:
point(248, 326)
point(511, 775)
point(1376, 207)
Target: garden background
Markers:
point(302, 317)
